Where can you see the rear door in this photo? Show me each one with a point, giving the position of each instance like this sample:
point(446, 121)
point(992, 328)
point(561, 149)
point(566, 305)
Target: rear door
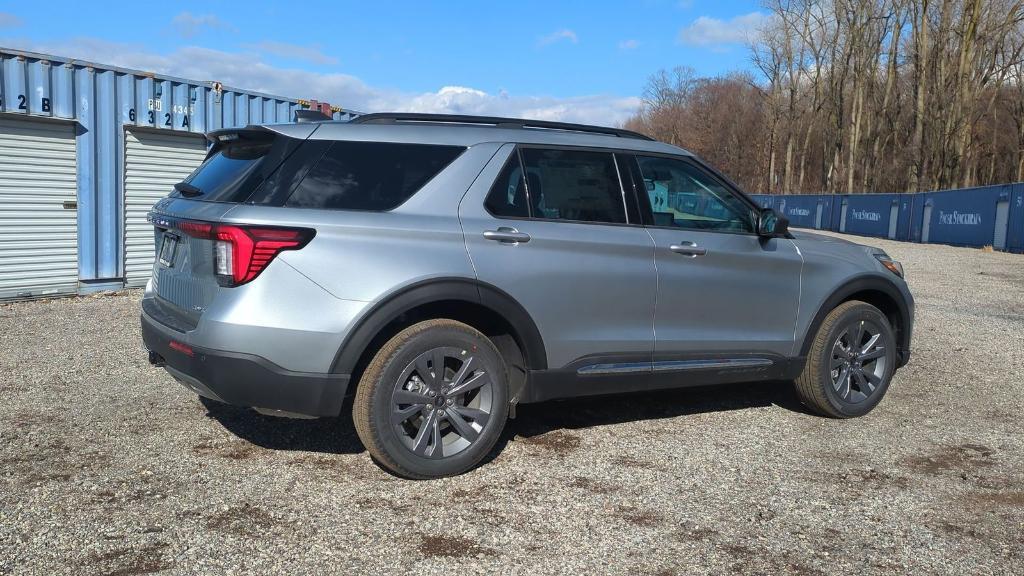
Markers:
point(724, 293)
point(550, 227)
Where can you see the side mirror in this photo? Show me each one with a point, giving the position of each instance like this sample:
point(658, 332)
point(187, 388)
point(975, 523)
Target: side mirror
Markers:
point(770, 224)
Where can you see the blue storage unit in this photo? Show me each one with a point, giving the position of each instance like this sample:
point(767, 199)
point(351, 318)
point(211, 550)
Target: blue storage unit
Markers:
point(100, 103)
point(807, 210)
point(870, 214)
point(969, 217)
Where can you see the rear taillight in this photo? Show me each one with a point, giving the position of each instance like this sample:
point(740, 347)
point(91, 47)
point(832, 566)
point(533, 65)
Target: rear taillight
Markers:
point(241, 252)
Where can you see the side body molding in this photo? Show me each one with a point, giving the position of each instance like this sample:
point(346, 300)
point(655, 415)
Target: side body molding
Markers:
point(435, 291)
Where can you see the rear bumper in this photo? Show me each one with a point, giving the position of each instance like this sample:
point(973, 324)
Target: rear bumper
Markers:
point(245, 379)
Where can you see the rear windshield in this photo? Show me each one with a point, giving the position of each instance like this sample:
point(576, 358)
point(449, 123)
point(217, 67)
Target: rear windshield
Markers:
point(228, 175)
point(370, 175)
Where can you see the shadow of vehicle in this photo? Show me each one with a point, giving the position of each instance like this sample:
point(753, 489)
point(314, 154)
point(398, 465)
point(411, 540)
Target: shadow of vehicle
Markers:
point(323, 435)
point(338, 435)
point(536, 419)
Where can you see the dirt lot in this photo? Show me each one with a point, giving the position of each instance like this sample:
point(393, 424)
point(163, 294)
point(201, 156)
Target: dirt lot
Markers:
point(109, 466)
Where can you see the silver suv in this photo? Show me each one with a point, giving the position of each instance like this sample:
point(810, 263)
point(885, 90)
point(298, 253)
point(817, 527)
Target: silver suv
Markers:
point(443, 269)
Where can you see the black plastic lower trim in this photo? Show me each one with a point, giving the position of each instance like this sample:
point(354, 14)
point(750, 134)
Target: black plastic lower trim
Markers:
point(568, 382)
point(246, 379)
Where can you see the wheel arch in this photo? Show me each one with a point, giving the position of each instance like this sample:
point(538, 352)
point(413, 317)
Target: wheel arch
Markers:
point(473, 302)
point(880, 293)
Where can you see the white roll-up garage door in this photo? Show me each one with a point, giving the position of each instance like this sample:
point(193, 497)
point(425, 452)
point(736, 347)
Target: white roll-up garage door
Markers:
point(38, 215)
point(154, 163)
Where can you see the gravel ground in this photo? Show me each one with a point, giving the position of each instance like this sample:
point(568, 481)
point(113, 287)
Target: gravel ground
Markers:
point(108, 466)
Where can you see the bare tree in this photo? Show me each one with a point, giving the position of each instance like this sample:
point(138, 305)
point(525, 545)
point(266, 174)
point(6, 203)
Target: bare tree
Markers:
point(860, 96)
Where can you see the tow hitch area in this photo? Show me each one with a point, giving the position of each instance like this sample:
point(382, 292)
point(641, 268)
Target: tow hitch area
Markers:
point(156, 359)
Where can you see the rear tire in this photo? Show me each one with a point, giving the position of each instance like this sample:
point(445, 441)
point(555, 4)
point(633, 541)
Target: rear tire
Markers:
point(850, 363)
point(418, 425)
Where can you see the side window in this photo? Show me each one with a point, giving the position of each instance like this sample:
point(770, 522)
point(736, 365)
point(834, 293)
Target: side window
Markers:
point(370, 175)
point(507, 197)
point(573, 185)
point(684, 196)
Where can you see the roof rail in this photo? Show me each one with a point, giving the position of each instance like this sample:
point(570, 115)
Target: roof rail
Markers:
point(397, 117)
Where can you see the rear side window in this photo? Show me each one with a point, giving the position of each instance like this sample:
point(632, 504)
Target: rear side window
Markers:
point(573, 185)
point(507, 198)
point(370, 175)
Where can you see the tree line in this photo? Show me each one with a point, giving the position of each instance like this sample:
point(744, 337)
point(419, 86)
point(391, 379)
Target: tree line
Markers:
point(852, 96)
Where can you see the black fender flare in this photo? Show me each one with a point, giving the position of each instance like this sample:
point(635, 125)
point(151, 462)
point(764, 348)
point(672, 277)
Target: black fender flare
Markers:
point(441, 290)
point(862, 283)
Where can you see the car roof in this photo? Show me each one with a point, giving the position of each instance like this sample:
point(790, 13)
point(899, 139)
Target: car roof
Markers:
point(457, 130)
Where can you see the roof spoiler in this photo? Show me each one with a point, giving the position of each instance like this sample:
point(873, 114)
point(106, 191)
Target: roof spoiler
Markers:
point(306, 116)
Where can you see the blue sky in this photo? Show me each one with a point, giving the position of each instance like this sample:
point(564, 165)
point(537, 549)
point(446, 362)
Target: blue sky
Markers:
point(582, 61)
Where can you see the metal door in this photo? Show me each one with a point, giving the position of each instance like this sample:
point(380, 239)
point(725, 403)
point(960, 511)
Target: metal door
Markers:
point(38, 210)
point(842, 217)
point(926, 224)
point(817, 215)
point(1002, 224)
point(894, 219)
point(154, 162)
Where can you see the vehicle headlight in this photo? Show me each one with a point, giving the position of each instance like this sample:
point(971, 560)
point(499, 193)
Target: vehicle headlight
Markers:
point(893, 266)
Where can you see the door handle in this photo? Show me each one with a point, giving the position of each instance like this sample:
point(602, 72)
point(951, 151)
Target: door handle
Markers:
point(688, 249)
point(507, 235)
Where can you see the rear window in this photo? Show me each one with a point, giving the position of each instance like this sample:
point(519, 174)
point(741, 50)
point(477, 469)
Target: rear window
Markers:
point(234, 169)
point(370, 175)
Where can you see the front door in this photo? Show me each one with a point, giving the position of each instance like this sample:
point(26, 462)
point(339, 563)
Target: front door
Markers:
point(724, 293)
point(549, 227)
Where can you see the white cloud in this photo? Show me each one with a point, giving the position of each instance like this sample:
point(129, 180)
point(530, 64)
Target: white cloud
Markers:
point(8, 20)
point(628, 44)
point(712, 32)
point(293, 52)
point(188, 25)
point(558, 36)
point(246, 70)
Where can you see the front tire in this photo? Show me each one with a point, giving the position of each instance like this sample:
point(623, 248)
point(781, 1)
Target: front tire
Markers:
point(433, 401)
point(850, 363)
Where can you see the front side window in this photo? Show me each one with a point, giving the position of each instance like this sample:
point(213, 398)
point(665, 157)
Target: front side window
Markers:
point(684, 196)
point(370, 175)
point(573, 185)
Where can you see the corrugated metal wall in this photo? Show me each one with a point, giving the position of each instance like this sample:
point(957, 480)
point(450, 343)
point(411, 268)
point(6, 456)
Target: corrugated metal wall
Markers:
point(103, 102)
point(38, 219)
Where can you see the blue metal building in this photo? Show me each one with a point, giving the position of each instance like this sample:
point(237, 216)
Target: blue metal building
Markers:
point(85, 150)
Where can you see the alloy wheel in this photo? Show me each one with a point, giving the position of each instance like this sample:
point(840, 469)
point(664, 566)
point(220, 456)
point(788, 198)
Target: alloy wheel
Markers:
point(858, 361)
point(442, 402)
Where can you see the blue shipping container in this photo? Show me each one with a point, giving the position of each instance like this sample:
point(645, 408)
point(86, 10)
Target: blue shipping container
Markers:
point(971, 217)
